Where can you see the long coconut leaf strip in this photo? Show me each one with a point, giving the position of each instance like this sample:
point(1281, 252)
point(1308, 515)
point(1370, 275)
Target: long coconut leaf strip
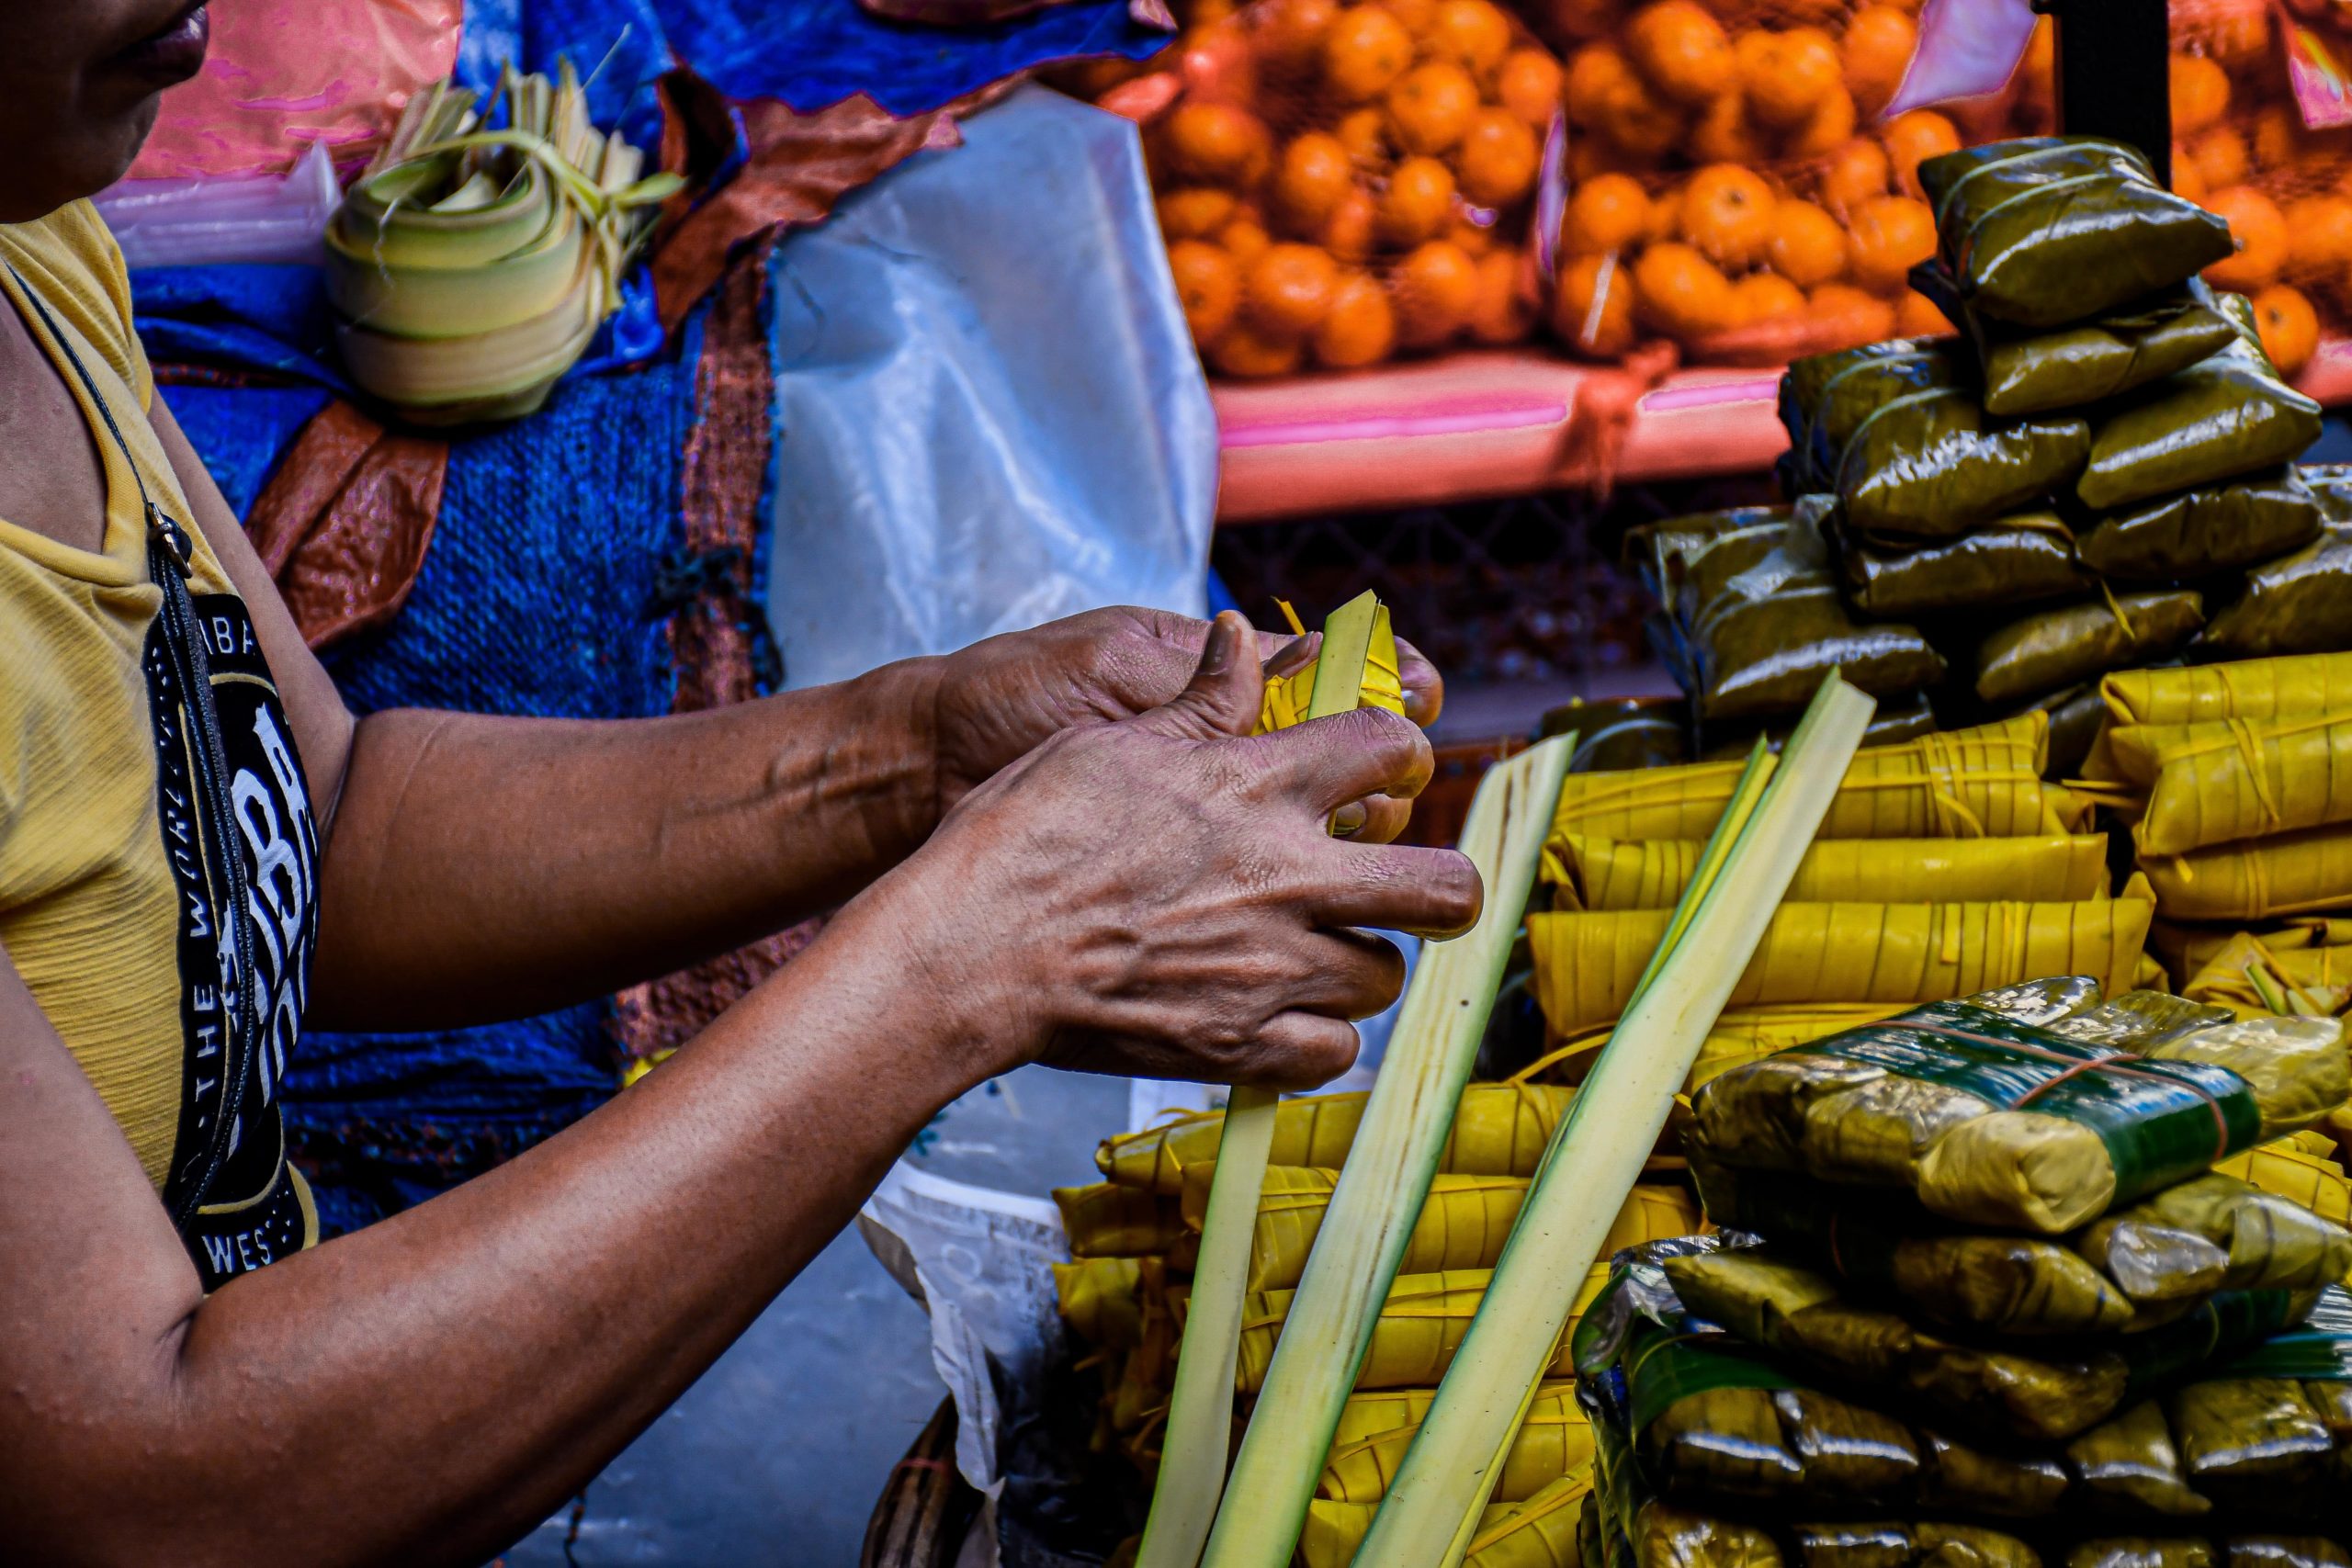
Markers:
point(1386, 1181)
point(1426, 1520)
point(1199, 1408)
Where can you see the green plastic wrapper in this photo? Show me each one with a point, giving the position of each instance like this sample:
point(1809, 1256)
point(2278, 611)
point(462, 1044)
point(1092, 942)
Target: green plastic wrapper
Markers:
point(2226, 415)
point(2051, 649)
point(2199, 532)
point(2029, 371)
point(1990, 1120)
point(2019, 560)
point(2051, 230)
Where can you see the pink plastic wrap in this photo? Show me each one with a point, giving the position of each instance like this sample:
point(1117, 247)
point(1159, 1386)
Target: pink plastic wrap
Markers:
point(286, 73)
point(1967, 49)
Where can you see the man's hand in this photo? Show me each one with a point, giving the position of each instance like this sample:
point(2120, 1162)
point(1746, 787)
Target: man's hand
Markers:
point(1160, 895)
point(999, 699)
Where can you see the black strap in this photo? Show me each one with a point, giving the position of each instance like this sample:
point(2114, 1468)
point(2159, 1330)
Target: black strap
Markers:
point(170, 552)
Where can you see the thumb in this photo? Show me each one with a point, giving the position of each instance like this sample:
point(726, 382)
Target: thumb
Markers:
point(1226, 693)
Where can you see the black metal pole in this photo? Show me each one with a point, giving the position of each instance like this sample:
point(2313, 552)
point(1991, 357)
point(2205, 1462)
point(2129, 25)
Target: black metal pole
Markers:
point(2115, 73)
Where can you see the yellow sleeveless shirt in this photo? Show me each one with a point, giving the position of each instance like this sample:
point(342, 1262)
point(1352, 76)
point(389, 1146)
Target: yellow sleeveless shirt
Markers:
point(109, 885)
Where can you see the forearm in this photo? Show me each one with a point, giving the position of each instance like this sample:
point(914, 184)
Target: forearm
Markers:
point(487, 867)
point(427, 1390)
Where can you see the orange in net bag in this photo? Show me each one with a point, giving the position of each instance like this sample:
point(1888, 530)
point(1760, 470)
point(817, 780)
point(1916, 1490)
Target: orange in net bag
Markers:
point(1340, 183)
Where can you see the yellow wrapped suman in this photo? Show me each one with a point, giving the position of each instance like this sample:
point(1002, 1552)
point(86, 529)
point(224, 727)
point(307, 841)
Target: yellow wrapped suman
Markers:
point(2185, 949)
point(1614, 873)
point(1966, 783)
point(1891, 954)
point(1107, 1220)
point(1100, 1300)
point(1498, 1130)
point(1375, 1427)
point(2257, 879)
point(2237, 778)
point(2300, 686)
point(2252, 974)
point(1540, 1532)
point(2297, 1169)
point(1288, 696)
point(1421, 1326)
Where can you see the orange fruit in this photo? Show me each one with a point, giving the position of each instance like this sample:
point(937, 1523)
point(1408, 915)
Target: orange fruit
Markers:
point(1639, 123)
point(1217, 143)
point(1593, 309)
point(2185, 181)
point(2036, 73)
point(1364, 51)
point(2235, 34)
point(1476, 239)
point(1316, 173)
point(1430, 106)
point(1680, 292)
point(1471, 33)
point(1595, 74)
point(1434, 290)
point(2279, 136)
point(1288, 34)
point(1529, 85)
point(2261, 232)
point(1857, 173)
point(1418, 16)
point(1348, 233)
point(1724, 134)
point(1501, 310)
point(2220, 156)
point(1364, 133)
point(2200, 94)
point(2319, 231)
point(1245, 240)
point(1916, 316)
point(2288, 325)
point(1194, 213)
point(1416, 203)
point(1727, 213)
point(1681, 50)
point(1911, 139)
point(1290, 289)
point(1763, 296)
point(1831, 127)
point(1807, 247)
point(1610, 212)
point(1590, 157)
point(1849, 316)
point(1497, 158)
point(1208, 285)
point(1575, 19)
point(1875, 52)
point(1242, 350)
point(1360, 329)
point(1785, 77)
point(1889, 236)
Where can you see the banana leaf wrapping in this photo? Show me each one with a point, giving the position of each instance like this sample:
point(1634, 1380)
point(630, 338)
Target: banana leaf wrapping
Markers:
point(2194, 1551)
point(2257, 879)
point(2298, 1169)
point(2049, 230)
point(2211, 783)
point(1540, 1531)
point(2298, 603)
point(1963, 784)
point(1657, 552)
point(2195, 533)
point(1596, 873)
point(2299, 687)
point(2228, 414)
point(1899, 719)
point(1100, 1300)
point(2253, 974)
point(2076, 716)
point(1764, 645)
point(2215, 1232)
point(1587, 963)
point(1498, 1130)
point(2018, 560)
point(1413, 1341)
point(1375, 1427)
point(1745, 1034)
point(1107, 1220)
point(1463, 1224)
point(1707, 571)
point(2028, 371)
point(1640, 732)
point(2006, 1392)
point(1824, 397)
point(2051, 649)
point(1993, 1121)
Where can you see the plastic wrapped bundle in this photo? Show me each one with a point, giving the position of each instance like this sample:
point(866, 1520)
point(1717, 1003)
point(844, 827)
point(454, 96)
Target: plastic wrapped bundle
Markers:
point(2257, 879)
point(2195, 533)
point(1420, 1327)
point(1745, 1034)
point(2207, 783)
point(1992, 1120)
point(1498, 1130)
point(2018, 560)
point(1540, 1531)
point(1110, 1221)
point(2047, 231)
point(2226, 415)
point(1587, 963)
point(2086, 362)
point(2215, 1233)
point(1375, 1427)
point(2298, 603)
point(2054, 649)
point(1963, 784)
point(1608, 874)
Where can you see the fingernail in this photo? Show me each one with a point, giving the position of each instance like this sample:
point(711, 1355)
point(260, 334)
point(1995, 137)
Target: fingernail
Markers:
point(1217, 656)
point(1350, 820)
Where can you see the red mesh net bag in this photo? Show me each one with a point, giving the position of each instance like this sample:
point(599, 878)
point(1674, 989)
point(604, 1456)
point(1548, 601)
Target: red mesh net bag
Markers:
point(1340, 183)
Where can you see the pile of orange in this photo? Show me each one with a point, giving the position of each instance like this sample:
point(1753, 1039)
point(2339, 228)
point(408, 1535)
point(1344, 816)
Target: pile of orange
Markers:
point(1348, 181)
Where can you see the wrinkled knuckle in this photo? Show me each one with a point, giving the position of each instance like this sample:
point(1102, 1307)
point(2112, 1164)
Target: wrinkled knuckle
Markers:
point(1456, 893)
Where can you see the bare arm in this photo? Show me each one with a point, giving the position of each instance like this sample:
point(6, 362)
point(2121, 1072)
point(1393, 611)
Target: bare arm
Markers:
point(1155, 895)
